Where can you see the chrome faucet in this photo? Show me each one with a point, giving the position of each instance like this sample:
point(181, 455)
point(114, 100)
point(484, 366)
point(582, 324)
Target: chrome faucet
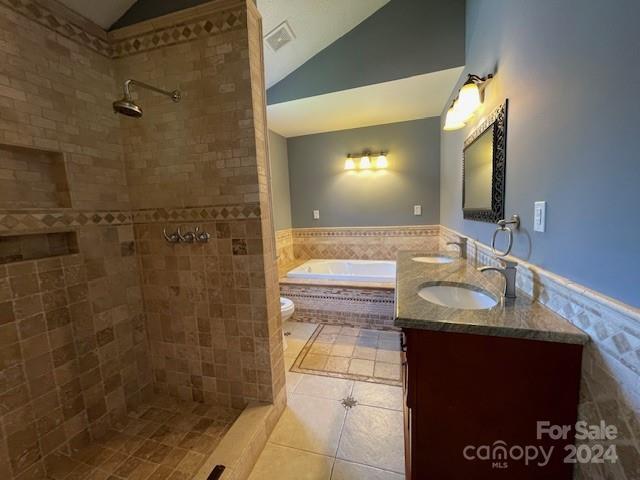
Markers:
point(509, 273)
point(462, 245)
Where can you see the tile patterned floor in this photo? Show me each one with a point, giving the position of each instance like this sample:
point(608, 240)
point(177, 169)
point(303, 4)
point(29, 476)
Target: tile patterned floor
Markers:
point(354, 353)
point(164, 439)
point(317, 438)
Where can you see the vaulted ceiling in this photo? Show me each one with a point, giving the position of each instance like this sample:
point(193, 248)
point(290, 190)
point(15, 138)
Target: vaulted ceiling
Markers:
point(350, 63)
point(316, 25)
point(102, 12)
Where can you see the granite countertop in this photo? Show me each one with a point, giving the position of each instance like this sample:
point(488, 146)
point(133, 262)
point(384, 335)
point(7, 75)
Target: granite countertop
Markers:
point(518, 318)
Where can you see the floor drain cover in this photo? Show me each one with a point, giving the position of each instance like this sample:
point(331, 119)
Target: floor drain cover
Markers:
point(286, 334)
point(349, 402)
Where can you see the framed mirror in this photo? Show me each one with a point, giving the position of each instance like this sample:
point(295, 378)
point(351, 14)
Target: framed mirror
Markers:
point(484, 168)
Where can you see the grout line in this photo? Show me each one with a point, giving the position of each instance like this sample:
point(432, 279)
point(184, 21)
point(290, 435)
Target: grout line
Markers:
point(300, 449)
point(372, 466)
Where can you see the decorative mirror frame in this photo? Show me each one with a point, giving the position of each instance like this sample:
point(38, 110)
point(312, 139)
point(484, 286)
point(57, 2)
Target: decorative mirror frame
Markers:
point(497, 118)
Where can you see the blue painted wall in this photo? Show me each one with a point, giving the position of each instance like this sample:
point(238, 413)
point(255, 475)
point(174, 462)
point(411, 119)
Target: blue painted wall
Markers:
point(571, 71)
point(281, 196)
point(366, 198)
point(402, 39)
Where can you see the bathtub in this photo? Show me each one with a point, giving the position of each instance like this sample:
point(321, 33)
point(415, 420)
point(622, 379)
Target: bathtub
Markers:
point(346, 270)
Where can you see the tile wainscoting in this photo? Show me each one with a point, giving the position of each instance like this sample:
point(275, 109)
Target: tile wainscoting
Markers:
point(295, 245)
point(365, 243)
point(611, 362)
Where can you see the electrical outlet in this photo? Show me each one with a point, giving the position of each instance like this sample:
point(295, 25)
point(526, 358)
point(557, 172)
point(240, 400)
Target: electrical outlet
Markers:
point(316, 214)
point(539, 216)
point(417, 210)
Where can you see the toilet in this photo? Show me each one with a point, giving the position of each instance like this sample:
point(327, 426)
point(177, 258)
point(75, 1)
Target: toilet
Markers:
point(286, 310)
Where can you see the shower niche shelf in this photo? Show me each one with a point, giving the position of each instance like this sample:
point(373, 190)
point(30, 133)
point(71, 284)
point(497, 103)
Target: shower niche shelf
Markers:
point(32, 178)
point(33, 246)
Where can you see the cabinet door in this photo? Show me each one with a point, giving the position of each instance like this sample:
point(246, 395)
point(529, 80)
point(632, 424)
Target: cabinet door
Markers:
point(406, 409)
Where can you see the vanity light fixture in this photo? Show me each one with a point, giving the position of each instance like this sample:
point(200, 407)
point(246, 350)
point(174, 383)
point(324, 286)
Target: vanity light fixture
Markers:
point(467, 102)
point(365, 162)
point(349, 164)
point(381, 161)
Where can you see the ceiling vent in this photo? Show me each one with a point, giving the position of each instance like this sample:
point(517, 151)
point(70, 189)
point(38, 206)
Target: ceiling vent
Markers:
point(279, 36)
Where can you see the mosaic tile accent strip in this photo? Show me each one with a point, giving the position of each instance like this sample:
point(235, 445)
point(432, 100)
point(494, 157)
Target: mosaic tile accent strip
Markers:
point(56, 22)
point(208, 213)
point(212, 24)
point(610, 388)
point(33, 220)
point(353, 353)
point(399, 231)
point(38, 220)
point(361, 307)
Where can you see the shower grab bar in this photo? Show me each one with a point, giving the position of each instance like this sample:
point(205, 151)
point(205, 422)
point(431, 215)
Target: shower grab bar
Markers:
point(503, 226)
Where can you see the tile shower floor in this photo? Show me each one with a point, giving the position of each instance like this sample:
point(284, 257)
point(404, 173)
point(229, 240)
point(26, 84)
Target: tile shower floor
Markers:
point(319, 438)
point(165, 439)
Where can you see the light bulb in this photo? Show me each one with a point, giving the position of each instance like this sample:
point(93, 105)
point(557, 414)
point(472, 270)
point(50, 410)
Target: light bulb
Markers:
point(468, 100)
point(381, 161)
point(349, 164)
point(365, 162)
point(453, 120)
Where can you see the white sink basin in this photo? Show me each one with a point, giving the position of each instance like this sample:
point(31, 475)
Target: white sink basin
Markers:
point(458, 296)
point(433, 259)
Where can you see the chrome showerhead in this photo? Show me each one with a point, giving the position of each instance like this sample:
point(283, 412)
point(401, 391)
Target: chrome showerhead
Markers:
point(128, 107)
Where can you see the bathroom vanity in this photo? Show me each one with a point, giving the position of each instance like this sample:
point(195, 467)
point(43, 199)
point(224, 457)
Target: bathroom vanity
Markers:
point(478, 378)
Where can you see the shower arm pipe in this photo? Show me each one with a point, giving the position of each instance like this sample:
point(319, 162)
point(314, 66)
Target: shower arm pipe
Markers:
point(174, 95)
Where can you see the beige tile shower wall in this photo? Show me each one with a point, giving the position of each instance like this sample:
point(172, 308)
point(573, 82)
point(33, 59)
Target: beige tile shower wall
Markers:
point(272, 376)
point(73, 352)
point(56, 95)
point(213, 311)
point(200, 151)
point(610, 388)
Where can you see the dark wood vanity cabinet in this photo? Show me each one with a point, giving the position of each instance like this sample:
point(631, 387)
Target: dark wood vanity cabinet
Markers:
point(465, 390)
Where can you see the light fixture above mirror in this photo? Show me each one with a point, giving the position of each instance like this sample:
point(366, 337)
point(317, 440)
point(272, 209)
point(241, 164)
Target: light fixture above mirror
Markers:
point(365, 162)
point(466, 103)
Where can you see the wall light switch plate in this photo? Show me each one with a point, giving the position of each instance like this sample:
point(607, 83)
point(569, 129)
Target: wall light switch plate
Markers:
point(316, 214)
point(539, 216)
point(417, 210)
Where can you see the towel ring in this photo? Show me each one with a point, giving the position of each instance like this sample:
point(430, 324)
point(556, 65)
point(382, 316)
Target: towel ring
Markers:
point(503, 226)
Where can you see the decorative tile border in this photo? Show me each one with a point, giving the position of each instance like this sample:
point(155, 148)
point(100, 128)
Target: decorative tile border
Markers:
point(57, 19)
point(213, 24)
point(222, 212)
point(58, 23)
point(398, 231)
point(52, 219)
point(39, 220)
